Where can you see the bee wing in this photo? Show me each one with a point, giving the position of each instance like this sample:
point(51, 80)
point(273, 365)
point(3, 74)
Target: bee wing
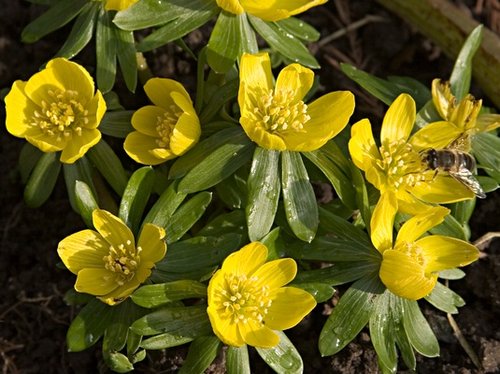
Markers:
point(465, 177)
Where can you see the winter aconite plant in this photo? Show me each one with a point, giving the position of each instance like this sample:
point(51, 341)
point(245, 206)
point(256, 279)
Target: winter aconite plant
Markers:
point(226, 181)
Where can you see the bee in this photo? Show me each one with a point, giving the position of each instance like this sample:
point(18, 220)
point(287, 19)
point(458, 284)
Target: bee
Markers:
point(459, 165)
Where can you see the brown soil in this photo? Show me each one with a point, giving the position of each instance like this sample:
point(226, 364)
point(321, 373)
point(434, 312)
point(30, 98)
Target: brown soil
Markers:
point(33, 315)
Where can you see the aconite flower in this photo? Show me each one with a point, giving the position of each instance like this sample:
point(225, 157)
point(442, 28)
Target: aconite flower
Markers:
point(463, 120)
point(107, 262)
point(247, 300)
point(272, 10)
point(165, 130)
point(57, 109)
point(118, 4)
point(275, 116)
point(411, 265)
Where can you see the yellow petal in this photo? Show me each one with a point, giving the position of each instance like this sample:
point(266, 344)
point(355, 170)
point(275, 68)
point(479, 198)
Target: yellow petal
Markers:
point(162, 154)
point(78, 145)
point(122, 292)
point(152, 243)
point(442, 97)
point(404, 276)
point(290, 305)
point(418, 225)
point(19, 110)
point(442, 252)
point(442, 189)
point(246, 260)
point(84, 249)
point(398, 120)
point(487, 122)
point(277, 273)
point(278, 9)
point(258, 335)
point(183, 101)
point(260, 136)
point(382, 221)
point(435, 135)
point(231, 6)
point(139, 146)
point(409, 204)
point(225, 330)
point(296, 79)
point(362, 145)
point(45, 143)
point(112, 229)
point(145, 119)
point(158, 90)
point(118, 4)
point(185, 135)
point(95, 281)
point(96, 109)
point(256, 77)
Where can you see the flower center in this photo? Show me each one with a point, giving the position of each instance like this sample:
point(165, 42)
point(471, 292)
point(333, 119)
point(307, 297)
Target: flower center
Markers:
point(243, 299)
point(413, 251)
point(401, 164)
point(277, 112)
point(123, 260)
point(165, 125)
point(62, 117)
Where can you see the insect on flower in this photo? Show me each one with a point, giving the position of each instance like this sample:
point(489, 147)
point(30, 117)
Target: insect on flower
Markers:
point(458, 164)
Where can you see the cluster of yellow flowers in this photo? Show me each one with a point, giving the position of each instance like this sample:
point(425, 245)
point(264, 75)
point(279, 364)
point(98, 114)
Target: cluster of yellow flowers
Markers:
point(58, 109)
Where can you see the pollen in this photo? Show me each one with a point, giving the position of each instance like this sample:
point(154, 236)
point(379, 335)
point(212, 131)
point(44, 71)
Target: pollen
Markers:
point(242, 299)
point(165, 125)
point(62, 115)
point(414, 251)
point(279, 111)
point(123, 260)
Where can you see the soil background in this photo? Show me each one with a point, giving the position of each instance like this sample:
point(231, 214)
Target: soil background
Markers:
point(33, 315)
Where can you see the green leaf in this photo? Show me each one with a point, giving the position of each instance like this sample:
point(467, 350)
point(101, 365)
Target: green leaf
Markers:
point(224, 44)
point(227, 223)
point(328, 159)
point(86, 202)
point(126, 53)
point(105, 42)
point(152, 296)
point(202, 352)
point(298, 195)
point(237, 361)
point(284, 358)
point(165, 206)
point(218, 165)
point(486, 148)
point(418, 330)
point(194, 14)
point(362, 198)
point(283, 42)
point(115, 336)
point(382, 332)
point(350, 315)
point(299, 28)
point(81, 32)
point(222, 95)
point(445, 299)
point(233, 191)
point(427, 114)
point(56, 17)
point(42, 180)
point(202, 150)
point(186, 216)
point(164, 341)
point(417, 90)
point(320, 291)
point(117, 362)
point(248, 40)
point(338, 273)
point(343, 229)
point(89, 325)
point(28, 158)
point(135, 197)
point(274, 243)
point(117, 124)
point(402, 341)
point(190, 321)
point(109, 165)
point(263, 192)
point(462, 71)
point(452, 274)
point(450, 227)
point(81, 170)
point(488, 184)
point(463, 210)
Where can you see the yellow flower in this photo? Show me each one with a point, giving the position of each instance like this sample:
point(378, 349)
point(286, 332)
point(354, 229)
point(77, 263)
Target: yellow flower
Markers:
point(247, 300)
point(107, 262)
point(57, 110)
point(275, 117)
point(463, 120)
point(118, 4)
point(411, 265)
point(165, 130)
point(273, 10)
